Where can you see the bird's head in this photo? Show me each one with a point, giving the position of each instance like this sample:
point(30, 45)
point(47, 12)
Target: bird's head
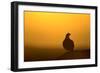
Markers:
point(67, 35)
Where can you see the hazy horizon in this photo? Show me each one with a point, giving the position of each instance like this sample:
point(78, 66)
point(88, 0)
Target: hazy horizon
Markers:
point(44, 33)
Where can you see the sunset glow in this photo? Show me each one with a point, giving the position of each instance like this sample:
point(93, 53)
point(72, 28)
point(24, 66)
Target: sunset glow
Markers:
point(48, 29)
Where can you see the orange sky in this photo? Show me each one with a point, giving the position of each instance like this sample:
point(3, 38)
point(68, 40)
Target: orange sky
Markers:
point(48, 29)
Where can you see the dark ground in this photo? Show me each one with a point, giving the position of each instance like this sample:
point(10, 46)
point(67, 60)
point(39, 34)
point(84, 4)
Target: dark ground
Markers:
point(54, 54)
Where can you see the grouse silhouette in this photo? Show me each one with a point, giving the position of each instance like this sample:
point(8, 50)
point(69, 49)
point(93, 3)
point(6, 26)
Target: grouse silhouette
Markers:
point(68, 44)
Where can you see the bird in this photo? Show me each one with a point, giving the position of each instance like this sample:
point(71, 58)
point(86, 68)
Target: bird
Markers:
point(68, 44)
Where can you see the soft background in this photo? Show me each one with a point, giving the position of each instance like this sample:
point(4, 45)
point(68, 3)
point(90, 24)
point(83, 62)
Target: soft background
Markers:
point(48, 29)
point(5, 36)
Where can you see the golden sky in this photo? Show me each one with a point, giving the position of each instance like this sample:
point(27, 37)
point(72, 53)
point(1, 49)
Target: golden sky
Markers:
point(48, 29)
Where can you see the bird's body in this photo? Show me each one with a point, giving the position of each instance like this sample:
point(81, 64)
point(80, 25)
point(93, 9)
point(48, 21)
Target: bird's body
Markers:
point(68, 44)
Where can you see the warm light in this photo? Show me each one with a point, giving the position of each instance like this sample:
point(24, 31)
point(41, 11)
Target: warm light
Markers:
point(48, 29)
